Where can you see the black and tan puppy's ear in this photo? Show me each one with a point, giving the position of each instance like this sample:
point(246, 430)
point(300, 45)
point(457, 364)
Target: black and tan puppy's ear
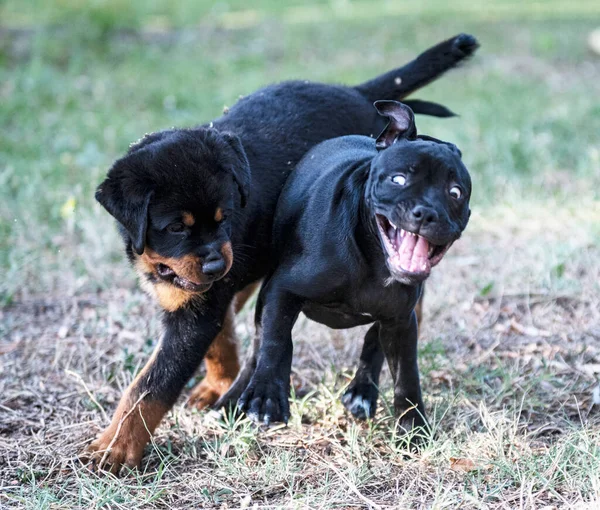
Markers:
point(127, 197)
point(401, 125)
point(239, 166)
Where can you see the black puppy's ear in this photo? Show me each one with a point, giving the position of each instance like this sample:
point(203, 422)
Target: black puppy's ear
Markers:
point(127, 200)
point(240, 167)
point(401, 125)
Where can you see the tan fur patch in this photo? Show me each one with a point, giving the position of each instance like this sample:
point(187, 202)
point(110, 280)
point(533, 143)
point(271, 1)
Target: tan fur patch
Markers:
point(218, 215)
point(187, 267)
point(222, 362)
point(188, 219)
point(134, 421)
point(169, 296)
point(227, 253)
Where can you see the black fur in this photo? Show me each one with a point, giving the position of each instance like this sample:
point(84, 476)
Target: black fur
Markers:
point(332, 262)
point(238, 164)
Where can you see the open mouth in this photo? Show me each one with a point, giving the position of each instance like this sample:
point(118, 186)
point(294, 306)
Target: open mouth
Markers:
point(167, 274)
point(409, 252)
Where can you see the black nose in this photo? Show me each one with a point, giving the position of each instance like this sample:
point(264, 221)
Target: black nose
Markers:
point(424, 215)
point(213, 264)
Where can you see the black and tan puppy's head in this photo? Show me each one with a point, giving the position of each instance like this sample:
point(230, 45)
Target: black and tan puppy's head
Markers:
point(419, 192)
point(174, 194)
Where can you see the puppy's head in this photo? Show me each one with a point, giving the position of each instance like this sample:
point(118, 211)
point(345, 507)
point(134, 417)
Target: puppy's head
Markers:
point(419, 192)
point(174, 195)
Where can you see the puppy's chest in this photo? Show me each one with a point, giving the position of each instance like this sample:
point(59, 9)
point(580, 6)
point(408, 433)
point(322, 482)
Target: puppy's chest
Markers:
point(382, 302)
point(364, 304)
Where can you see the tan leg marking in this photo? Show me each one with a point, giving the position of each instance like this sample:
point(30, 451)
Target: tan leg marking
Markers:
point(222, 362)
point(122, 442)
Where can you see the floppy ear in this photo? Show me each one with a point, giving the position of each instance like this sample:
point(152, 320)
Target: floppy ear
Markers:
point(127, 200)
point(401, 125)
point(239, 167)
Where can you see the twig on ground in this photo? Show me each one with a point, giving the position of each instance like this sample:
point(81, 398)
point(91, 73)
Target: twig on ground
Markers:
point(119, 426)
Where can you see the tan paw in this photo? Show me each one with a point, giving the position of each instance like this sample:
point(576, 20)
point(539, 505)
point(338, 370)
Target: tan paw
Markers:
point(104, 454)
point(207, 392)
point(122, 443)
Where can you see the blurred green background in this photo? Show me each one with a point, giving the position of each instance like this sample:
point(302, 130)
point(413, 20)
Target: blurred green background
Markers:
point(80, 81)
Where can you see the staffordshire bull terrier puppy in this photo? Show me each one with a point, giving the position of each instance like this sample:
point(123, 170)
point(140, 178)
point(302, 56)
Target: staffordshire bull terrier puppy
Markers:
point(358, 228)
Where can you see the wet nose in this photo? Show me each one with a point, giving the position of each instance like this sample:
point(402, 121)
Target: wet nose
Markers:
point(424, 215)
point(213, 264)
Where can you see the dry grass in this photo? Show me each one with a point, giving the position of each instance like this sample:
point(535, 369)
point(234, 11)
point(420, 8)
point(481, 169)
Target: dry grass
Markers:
point(510, 356)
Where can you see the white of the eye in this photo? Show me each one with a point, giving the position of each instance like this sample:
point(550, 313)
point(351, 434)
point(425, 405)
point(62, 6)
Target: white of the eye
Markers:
point(399, 179)
point(455, 192)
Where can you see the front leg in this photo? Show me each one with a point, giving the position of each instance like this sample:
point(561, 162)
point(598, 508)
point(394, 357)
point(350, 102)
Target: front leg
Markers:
point(266, 397)
point(399, 343)
point(188, 333)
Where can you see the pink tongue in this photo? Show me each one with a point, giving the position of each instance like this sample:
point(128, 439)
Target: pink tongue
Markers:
point(414, 254)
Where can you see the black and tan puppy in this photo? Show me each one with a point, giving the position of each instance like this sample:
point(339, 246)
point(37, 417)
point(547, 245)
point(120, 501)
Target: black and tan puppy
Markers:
point(195, 209)
point(358, 227)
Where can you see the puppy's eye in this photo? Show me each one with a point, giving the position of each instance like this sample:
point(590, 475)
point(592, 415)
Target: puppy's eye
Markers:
point(399, 179)
point(176, 228)
point(455, 192)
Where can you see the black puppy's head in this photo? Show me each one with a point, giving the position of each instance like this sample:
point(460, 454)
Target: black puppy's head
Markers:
point(419, 192)
point(173, 195)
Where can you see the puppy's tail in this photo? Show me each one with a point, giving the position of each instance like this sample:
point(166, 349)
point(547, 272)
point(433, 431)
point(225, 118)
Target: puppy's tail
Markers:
point(427, 67)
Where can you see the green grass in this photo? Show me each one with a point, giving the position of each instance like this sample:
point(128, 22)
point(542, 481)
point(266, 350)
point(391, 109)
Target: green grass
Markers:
point(78, 89)
point(78, 85)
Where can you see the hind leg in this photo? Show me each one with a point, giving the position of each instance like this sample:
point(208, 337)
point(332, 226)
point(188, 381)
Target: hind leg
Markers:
point(360, 397)
point(221, 360)
point(230, 398)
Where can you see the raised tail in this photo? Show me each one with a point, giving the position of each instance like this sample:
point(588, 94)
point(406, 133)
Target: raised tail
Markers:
point(427, 67)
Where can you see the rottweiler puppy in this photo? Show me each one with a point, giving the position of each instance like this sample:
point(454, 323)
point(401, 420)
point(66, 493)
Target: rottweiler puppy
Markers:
point(195, 209)
point(358, 227)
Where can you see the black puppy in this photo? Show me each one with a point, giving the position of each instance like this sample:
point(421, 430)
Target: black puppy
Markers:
point(357, 229)
point(195, 209)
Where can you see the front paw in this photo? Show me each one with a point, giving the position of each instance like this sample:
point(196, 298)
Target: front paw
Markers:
point(110, 452)
point(266, 400)
point(360, 398)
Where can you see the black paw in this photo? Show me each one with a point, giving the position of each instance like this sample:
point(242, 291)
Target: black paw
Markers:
point(360, 398)
point(266, 400)
point(464, 45)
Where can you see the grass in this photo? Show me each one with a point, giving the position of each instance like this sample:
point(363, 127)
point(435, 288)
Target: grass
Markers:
point(510, 351)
